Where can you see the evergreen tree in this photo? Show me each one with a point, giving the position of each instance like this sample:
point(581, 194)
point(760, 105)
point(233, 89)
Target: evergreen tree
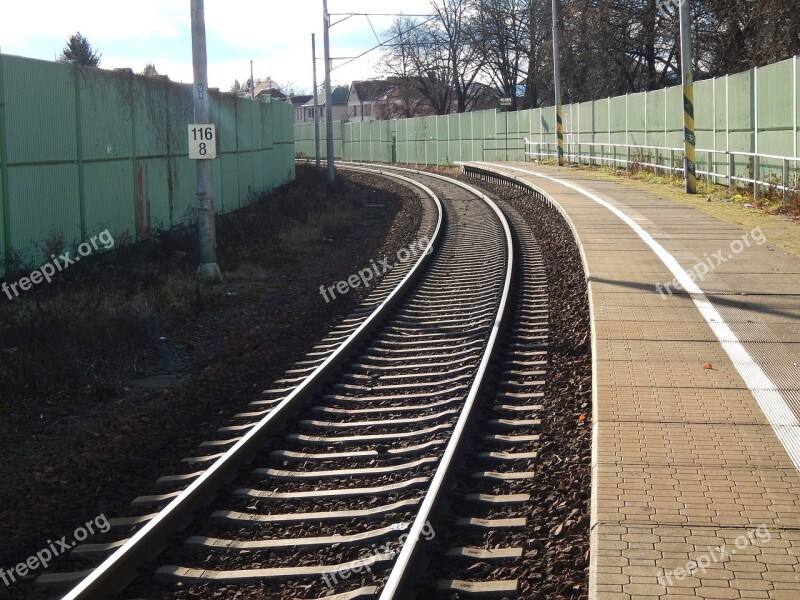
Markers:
point(150, 70)
point(79, 51)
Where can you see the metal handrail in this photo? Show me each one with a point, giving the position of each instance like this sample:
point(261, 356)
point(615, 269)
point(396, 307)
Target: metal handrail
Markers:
point(711, 174)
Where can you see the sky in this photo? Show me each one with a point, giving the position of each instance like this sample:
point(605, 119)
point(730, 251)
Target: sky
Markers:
point(274, 34)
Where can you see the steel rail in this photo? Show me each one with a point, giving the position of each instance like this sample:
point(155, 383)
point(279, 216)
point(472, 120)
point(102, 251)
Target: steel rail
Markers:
point(396, 587)
point(120, 568)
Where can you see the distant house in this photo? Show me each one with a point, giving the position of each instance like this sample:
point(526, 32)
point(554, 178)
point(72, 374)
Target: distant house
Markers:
point(403, 100)
point(484, 97)
point(365, 97)
point(339, 96)
point(299, 102)
point(268, 88)
point(392, 98)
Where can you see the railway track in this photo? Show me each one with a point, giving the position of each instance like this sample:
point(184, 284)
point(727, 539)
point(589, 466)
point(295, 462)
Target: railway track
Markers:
point(364, 464)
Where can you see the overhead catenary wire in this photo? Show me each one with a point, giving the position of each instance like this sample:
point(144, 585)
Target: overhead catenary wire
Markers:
point(386, 42)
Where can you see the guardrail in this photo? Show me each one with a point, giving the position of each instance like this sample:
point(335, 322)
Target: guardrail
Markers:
point(671, 161)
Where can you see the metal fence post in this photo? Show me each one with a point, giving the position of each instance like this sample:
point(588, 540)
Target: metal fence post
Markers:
point(666, 119)
point(755, 107)
point(794, 106)
point(731, 167)
point(756, 171)
point(785, 178)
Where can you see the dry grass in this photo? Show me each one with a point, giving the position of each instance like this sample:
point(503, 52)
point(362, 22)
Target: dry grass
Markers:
point(779, 220)
point(54, 335)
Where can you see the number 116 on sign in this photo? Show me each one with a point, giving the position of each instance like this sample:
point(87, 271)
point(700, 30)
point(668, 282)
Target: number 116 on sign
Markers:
point(202, 141)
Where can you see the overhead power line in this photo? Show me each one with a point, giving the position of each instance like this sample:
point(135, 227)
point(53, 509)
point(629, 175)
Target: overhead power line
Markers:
point(385, 43)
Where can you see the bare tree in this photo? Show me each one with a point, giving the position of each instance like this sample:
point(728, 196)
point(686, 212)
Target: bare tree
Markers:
point(608, 47)
point(741, 34)
point(439, 55)
point(458, 34)
point(416, 56)
point(500, 34)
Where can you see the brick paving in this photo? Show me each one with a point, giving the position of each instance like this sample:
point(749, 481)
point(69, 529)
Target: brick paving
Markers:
point(694, 495)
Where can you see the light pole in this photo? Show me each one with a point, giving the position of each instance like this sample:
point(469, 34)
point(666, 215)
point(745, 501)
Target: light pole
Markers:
point(326, 22)
point(557, 79)
point(206, 232)
point(687, 74)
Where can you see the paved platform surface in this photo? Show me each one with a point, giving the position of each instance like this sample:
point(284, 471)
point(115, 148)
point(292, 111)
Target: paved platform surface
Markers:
point(696, 489)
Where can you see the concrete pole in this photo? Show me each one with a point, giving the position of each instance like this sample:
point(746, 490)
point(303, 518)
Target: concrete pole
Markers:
point(328, 101)
point(316, 100)
point(206, 233)
point(557, 80)
point(252, 82)
point(687, 74)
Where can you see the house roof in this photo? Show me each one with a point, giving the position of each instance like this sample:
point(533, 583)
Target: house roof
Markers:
point(371, 90)
point(339, 95)
point(270, 88)
point(299, 100)
point(273, 92)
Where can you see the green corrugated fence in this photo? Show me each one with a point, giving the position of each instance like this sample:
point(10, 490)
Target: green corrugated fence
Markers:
point(756, 111)
point(84, 150)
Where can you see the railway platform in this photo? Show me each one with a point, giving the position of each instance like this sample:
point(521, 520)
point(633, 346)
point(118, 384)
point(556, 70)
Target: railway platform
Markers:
point(696, 359)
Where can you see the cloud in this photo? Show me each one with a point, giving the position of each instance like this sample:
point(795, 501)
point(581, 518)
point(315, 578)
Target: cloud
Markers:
point(275, 35)
point(98, 20)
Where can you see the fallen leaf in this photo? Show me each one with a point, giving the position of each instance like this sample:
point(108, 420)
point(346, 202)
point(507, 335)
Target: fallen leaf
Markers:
point(708, 366)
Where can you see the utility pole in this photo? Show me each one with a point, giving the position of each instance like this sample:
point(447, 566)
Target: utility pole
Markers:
point(557, 78)
point(687, 74)
point(252, 82)
point(316, 99)
point(326, 23)
point(206, 233)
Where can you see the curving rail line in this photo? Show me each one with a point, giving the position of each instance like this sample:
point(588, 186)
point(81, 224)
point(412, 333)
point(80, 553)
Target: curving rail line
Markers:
point(340, 473)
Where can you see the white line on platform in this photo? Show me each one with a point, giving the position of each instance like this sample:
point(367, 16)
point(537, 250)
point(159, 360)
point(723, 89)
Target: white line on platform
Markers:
point(769, 397)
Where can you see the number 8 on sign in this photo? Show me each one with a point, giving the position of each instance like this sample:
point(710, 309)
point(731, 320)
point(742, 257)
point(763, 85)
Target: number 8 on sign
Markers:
point(202, 141)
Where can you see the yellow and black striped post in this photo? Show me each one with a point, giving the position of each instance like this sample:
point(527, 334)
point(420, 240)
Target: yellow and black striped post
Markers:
point(560, 134)
point(690, 142)
point(689, 139)
point(557, 86)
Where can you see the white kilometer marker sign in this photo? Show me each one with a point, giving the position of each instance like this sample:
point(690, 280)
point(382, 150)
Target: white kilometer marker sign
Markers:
point(769, 397)
point(203, 141)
